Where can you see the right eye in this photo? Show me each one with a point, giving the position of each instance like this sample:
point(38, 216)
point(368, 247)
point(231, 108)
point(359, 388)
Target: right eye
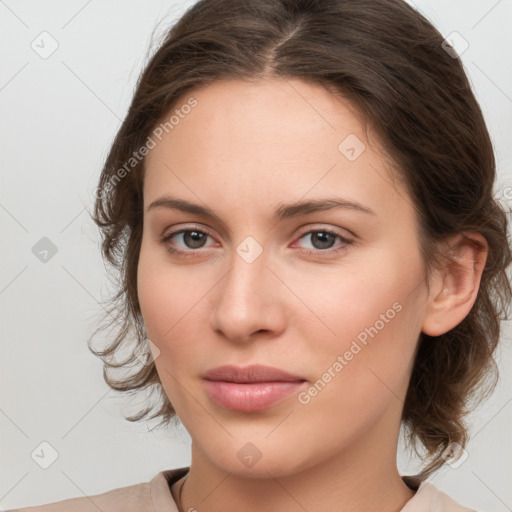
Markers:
point(191, 238)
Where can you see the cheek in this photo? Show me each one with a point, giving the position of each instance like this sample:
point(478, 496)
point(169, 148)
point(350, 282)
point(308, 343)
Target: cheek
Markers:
point(342, 302)
point(167, 324)
point(160, 304)
point(363, 370)
point(173, 307)
point(370, 316)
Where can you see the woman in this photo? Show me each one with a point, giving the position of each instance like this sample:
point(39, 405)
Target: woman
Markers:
point(299, 203)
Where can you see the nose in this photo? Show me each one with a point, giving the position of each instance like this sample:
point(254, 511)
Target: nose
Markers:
point(247, 301)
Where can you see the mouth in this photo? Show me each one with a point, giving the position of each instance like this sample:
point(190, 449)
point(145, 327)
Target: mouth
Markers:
point(251, 388)
point(250, 374)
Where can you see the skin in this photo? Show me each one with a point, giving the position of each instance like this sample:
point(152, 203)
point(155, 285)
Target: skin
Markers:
point(242, 151)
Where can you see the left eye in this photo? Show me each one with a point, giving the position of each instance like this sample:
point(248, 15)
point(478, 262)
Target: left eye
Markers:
point(322, 240)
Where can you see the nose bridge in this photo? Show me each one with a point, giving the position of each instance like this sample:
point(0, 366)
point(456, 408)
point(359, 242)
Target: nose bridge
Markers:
point(246, 301)
point(245, 282)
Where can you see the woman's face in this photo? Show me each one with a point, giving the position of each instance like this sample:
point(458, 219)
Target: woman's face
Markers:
point(250, 286)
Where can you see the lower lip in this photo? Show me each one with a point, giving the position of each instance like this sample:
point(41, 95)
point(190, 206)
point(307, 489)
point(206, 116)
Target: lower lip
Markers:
point(250, 397)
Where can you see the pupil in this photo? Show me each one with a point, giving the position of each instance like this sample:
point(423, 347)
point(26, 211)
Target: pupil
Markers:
point(196, 239)
point(322, 242)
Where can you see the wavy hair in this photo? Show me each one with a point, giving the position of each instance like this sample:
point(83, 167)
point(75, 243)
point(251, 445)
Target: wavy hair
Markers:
point(391, 63)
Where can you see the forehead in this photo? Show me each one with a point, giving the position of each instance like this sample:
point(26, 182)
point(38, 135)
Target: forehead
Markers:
point(236, 116)
point(266, 140)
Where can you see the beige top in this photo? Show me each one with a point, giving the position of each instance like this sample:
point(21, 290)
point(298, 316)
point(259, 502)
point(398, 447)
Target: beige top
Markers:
point(155, 496)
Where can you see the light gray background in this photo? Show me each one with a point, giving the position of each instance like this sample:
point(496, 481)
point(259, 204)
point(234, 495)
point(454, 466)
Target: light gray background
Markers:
point(59, 116)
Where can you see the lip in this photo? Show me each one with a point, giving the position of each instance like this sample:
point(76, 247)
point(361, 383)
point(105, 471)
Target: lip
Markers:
point(251, 373)
point(250, 388)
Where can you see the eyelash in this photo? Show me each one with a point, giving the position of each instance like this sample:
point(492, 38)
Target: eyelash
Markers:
point(312, 252)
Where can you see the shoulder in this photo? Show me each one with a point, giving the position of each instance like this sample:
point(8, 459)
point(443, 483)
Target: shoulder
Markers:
point(115, 500)
point(123, 499)
point(151, 496)
point(429, 498)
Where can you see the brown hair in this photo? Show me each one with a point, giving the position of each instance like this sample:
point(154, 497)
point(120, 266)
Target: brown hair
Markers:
point(389, 62)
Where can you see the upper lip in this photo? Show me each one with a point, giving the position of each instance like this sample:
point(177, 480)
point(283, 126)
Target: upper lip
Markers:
point(252, 373)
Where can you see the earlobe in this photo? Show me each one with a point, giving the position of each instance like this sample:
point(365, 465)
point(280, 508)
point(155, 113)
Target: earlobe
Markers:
point(455, 283)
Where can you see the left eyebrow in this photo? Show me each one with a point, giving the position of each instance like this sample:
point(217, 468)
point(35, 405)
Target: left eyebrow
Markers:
point(282, 212)
point(286, 211)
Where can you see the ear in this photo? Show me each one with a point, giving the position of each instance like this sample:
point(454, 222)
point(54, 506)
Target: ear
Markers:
point(454, 284)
